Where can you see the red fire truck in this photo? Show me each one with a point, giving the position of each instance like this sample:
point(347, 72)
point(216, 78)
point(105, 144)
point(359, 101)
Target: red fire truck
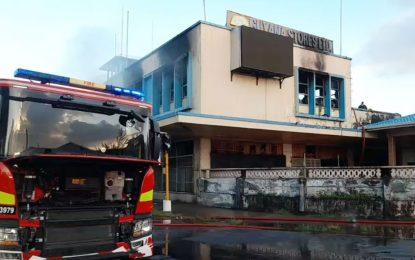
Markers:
point(77, 169)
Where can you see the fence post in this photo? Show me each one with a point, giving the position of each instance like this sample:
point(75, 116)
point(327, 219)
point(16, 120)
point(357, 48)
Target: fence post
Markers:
point(239, 190)
point(302, 180)
point(386, 178)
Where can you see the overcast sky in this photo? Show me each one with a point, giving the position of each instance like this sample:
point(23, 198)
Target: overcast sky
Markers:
point(75, 37)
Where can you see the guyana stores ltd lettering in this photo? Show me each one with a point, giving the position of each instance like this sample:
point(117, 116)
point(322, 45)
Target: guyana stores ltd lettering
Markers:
point(307, 40)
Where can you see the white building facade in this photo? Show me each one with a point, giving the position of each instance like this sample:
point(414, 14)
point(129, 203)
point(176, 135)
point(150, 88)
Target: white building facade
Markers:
point(220, 117)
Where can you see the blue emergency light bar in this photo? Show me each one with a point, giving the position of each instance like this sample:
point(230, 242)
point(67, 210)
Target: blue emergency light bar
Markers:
point(55, 79)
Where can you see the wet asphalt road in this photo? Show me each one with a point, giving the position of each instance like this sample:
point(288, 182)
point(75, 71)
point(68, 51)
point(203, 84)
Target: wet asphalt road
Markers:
point(205, 244)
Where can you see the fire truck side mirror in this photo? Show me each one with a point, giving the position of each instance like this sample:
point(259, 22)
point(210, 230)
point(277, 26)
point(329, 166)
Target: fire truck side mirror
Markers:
point(157, 141)
point(157, 146)
point(165, 139)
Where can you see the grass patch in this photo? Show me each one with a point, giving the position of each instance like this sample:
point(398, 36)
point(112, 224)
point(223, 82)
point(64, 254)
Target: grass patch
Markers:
point(331, 229)
point(350, 197)
point(157, 214)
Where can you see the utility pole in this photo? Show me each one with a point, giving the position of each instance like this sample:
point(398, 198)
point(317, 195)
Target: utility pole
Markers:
point(115, 45)
point(152, 34)
point(126, 40)
point(122, 28)
point(341, 25)
point(167, 201)
point(204, 10)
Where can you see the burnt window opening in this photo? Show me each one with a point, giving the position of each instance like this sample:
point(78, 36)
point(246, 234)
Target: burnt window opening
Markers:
point(184, 86)
point(320, 94)
point(181, 77)
point(171, 92)
point(335, 92)
point(158, 89)
point(184, 76)
point(168, 87)
point(320, 90)
point(304, 83)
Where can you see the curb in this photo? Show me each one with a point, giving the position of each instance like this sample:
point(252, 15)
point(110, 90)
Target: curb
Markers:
point(208, 226)
point(320, 220)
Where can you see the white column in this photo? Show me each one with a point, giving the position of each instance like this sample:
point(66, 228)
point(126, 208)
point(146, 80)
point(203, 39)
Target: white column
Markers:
point(391, 150)
point(287, 150)
point(201, 160)
point(205, 148)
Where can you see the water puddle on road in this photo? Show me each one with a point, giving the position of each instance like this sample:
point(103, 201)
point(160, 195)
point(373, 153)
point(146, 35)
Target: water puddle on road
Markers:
point(190, 243)
point(376, 230)
point(384, 231)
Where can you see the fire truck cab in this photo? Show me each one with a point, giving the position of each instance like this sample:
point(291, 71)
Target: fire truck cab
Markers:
point(77, 169)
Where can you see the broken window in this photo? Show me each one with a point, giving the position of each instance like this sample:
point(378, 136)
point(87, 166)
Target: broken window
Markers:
point(181, 75)
point(320, 91)
point(335, 92)
point(304, 83)
point(171, 87)
point(157, 94)
point(184, 77)
point(321, 95)
point(168, 88)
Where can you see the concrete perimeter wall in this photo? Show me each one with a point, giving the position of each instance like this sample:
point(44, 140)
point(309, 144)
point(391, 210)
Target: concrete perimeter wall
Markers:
point(376, 194)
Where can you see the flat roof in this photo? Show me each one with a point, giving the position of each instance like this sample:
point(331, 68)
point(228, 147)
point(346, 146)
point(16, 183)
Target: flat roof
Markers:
point(224, 28)
point(405, 121)
point(116, 61)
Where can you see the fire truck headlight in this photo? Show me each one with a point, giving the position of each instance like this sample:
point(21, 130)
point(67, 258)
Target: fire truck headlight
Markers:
point(142, 227)
point(8, 236)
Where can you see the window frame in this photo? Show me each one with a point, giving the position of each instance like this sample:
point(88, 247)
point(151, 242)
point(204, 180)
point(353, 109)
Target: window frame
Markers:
point(307, 93)
point(327, 99)
point(338, 89)
point(182, 65)
point(171, 90)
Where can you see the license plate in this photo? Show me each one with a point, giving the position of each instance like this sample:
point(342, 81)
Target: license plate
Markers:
point(7, 210)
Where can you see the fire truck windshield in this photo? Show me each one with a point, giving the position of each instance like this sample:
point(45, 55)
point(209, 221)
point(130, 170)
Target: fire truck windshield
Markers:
point(44, 123)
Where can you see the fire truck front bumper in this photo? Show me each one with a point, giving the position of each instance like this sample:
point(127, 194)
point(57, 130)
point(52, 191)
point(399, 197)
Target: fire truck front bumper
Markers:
point(136, 249)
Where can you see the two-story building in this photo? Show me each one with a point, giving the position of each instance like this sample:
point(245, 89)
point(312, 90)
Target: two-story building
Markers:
point(250, 94)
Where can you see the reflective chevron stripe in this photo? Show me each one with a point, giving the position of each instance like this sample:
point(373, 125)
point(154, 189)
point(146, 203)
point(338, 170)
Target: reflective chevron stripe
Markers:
point(7, 198)
point(146, 196)
point(145, 203)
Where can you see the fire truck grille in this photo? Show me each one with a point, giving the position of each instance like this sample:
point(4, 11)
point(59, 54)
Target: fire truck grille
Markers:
point(74, 232)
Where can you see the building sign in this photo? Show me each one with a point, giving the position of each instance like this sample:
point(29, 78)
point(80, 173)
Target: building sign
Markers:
point(301, 38)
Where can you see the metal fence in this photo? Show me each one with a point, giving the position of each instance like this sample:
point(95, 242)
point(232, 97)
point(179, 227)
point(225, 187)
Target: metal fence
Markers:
point(181, 175)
